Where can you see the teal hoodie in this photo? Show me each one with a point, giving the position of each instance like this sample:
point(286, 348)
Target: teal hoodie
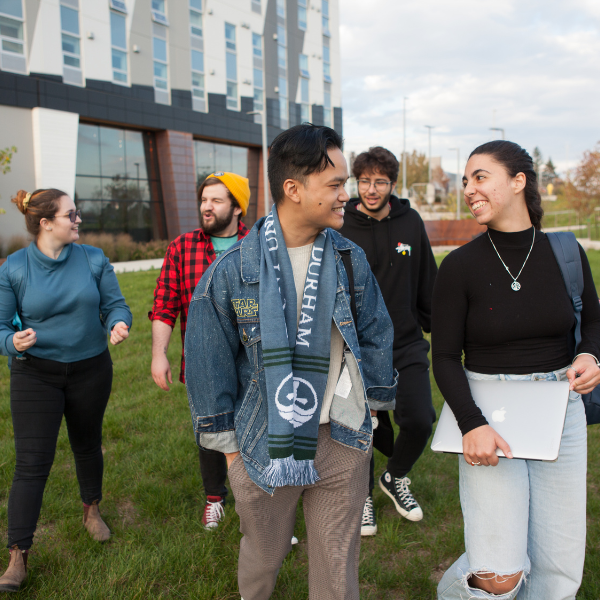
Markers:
point(62, 304)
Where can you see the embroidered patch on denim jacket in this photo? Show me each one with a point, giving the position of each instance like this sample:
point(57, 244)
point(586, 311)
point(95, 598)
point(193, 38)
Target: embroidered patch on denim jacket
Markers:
point(245, 308)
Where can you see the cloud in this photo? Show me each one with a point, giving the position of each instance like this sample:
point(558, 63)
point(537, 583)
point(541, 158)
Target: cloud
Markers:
point(532, 67)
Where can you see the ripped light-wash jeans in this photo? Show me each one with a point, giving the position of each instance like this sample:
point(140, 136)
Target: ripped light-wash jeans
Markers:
point(526, 516)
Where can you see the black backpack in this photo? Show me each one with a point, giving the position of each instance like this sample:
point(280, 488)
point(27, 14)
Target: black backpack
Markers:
point(566, 251)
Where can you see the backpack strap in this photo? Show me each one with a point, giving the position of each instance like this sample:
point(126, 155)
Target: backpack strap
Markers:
point(566, 251)
point(347, 260)
point(95, 258)
point(17, 267)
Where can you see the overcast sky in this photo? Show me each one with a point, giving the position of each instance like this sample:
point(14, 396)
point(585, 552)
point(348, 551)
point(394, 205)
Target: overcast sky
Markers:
point(536, 62)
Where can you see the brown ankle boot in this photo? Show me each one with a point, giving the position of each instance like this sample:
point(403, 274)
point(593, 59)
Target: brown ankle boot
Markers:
point(93, 522)
point(16, 572)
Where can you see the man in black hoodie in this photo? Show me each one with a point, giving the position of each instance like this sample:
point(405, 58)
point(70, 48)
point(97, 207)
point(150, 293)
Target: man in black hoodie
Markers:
point(393, 236)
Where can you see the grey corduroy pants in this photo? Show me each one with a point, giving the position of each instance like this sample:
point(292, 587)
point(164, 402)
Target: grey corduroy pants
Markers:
point(332, 509)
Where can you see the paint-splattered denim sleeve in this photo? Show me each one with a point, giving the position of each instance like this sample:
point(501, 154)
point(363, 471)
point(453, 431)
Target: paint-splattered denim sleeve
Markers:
point(376, 338)
point(211, 346)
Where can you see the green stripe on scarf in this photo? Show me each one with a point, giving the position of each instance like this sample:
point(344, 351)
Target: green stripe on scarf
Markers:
point(295, 371)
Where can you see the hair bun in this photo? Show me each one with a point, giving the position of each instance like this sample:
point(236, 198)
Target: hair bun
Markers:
point(19, 199)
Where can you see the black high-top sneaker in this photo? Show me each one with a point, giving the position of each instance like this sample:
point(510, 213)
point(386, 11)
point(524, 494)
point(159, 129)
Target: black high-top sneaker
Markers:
point(397, 489)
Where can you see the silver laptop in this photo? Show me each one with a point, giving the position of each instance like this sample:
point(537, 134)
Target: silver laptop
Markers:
point(529, 415)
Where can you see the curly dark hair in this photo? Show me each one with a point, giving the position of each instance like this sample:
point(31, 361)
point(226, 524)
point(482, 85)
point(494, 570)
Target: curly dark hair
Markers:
point(517, 160)
point(376, 159)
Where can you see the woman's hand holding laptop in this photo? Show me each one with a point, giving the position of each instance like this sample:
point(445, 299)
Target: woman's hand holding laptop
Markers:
point(479, 446)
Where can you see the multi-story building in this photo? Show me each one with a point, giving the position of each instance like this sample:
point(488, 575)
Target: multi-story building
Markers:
point(127, 104)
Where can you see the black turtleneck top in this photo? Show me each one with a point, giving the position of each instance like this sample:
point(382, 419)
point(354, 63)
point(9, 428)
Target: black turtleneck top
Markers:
point(475, 310)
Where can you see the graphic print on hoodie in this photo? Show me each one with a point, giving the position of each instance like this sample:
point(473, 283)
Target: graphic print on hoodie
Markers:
point(400, 255)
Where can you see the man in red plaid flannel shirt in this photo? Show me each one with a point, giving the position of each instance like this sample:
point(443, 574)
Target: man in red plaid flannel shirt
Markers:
point(223, 198)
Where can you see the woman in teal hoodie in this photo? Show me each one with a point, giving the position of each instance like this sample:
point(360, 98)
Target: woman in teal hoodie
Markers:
point(58, 300)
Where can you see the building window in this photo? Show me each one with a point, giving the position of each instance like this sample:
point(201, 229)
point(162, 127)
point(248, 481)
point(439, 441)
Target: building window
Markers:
point(304, 65)
point(159, 14)
point(257, 45)
point(281, 37)
point(327, 113)
point(11, 29)
point(117, 185)
point(196, 17)
point(159, 54)
point(259, 84)
point(304, 101)
point(197, 74)
point(12, 47)
point(281, 8)
point(282, 85)
point(231, 66)
point(302, 6)
point(326, 60)
point(256, 6)
point(211, 157)
point(304, 96)
point(71, 43)
point(197, 43)
point(118, 35)
point(325, 12)
point(281, 57)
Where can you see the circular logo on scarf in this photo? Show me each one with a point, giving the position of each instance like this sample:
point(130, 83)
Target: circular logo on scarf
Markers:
point(298, 406)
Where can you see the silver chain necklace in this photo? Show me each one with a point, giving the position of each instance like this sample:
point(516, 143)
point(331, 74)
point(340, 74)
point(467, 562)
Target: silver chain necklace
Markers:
point(515, 285)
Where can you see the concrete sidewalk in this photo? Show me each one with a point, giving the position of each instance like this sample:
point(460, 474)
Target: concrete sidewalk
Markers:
point(138, 265)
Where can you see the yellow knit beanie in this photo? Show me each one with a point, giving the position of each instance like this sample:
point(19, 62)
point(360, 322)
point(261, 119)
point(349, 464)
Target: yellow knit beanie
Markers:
point(237, 185)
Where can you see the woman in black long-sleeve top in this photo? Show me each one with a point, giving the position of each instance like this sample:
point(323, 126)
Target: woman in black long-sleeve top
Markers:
point(501, 299)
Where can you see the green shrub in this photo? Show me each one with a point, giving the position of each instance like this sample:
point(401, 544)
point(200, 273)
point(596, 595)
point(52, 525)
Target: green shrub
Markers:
point(16, 242)
point(121, 247)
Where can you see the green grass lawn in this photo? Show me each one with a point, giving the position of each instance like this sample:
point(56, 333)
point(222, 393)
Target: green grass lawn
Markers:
point(153, 502)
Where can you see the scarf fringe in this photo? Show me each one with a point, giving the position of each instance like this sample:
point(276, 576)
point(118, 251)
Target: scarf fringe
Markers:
point(289, 471)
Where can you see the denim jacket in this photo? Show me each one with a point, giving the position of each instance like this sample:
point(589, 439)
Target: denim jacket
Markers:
point(224, 375)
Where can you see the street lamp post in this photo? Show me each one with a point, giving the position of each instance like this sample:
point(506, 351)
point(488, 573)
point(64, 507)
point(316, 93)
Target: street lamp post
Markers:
point(457, 182)
point(265, 150)
point(404, 188)
point(498, 129)
point(430, 127)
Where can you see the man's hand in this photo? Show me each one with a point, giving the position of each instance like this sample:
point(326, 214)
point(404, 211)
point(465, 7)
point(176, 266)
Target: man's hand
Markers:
point(230, 456)
point(161, 368)
point(119, 333)
point(23, 340)
point(584, 374)
point(479, 446)
point(161, 371)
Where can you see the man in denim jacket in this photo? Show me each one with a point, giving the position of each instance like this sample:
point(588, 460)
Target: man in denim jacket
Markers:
point(232, 399)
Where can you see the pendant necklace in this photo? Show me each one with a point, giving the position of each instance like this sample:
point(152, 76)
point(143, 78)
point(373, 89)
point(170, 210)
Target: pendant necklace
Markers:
point(515, 285)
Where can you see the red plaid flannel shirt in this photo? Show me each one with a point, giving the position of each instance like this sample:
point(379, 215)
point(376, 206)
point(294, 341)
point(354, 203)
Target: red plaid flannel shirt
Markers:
point(186, 260)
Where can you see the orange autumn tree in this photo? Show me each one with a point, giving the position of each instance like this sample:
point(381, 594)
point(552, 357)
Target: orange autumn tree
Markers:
point(583, 189)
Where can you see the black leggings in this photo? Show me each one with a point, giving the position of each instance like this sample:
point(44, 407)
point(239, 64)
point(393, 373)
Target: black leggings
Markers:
point(415, 415)
point(41, 392)
point(213, 469)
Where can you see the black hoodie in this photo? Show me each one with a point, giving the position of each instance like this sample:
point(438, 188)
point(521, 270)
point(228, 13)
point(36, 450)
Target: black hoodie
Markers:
point(402, 261)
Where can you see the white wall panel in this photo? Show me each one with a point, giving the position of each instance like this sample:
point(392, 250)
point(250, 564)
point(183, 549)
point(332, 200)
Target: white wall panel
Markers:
point(55, 148)
point(94, 18)
point(16, 131)
point(313, 48)
point(46, 47)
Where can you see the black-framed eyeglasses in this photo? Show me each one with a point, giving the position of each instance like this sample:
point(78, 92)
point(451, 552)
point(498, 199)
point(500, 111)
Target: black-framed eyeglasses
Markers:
point(380, 185)
point(72, 215)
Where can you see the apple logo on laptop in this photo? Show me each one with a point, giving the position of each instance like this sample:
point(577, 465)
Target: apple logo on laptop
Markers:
point(498, 415)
